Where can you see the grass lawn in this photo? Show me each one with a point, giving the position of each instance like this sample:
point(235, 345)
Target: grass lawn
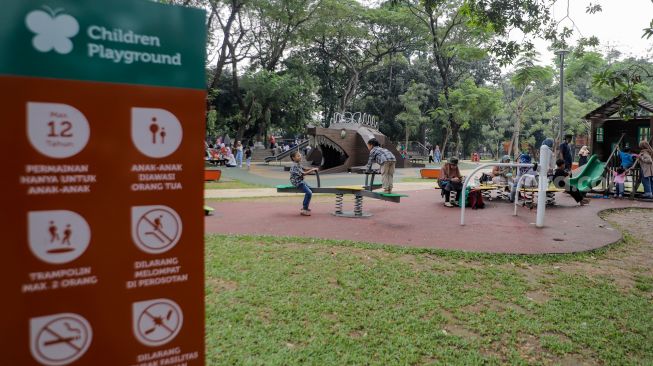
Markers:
point(288, 301)
point(231, 184)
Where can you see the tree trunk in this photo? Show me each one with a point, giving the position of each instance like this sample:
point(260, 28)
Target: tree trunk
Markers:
point(407, 133)
point(349, 93)
point(443, 150)
point(224, 52)
point(422, 134)
point(455, 131)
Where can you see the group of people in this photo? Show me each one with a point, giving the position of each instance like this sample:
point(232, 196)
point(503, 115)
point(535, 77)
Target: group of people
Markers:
point(229, 155)
point(379, 155)
point(435, 155)
point(628, 162)
point(452, 180)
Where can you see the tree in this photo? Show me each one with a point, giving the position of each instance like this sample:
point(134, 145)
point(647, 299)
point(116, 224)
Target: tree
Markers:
point(526, 76)
point(413, 101)
point(469, 106)
point(357, 39)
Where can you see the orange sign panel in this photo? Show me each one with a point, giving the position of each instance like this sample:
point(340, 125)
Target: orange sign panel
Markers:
point(101, 220)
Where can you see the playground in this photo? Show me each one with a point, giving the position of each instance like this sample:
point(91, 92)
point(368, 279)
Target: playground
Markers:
point(385, 202)
point(419, 220)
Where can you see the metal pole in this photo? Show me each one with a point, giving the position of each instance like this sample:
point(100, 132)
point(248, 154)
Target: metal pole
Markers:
point(562, 94)
point(519, 185)
point(545, 157)
point(562, 53)
point(462, 208)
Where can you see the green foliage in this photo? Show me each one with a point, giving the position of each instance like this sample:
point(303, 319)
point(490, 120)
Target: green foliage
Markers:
point(413, 101)
point(528, 72)
point(426, 67)
point(631, 79)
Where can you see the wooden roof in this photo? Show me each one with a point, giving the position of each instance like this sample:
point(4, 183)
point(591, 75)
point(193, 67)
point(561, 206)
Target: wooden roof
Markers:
point(612, 106)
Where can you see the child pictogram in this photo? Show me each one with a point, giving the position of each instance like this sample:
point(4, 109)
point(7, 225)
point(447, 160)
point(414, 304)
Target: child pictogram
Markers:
point(156, 132)
point(59, 339)
point(156, 322)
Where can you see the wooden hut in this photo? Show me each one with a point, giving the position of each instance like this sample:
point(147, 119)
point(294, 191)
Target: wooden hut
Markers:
point(607, 126)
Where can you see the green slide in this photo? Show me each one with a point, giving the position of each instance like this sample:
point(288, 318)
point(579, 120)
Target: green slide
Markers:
point(590, 176)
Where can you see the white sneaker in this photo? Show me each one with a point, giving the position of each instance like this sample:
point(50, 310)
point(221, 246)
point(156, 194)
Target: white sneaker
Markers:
point(448, 204)
point(305, 213)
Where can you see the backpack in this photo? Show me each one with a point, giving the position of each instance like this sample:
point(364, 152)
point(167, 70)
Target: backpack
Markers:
point(476, 199)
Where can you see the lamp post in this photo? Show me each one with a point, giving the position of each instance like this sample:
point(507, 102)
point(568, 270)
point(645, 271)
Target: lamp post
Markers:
point(561, 53)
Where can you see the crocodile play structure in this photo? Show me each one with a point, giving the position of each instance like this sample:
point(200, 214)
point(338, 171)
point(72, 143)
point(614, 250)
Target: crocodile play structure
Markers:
point(342, 146)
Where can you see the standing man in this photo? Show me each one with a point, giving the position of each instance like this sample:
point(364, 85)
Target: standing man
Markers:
point(385, 159)
point(565, 152)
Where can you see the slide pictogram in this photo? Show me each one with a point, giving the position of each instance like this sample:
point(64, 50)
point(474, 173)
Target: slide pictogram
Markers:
point(155, 229)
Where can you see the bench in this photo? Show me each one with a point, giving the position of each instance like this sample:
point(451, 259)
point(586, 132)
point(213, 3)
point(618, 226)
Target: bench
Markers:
point(430, 173)
point(212, 175)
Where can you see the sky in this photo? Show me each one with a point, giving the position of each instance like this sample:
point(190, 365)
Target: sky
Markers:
point(620, 25)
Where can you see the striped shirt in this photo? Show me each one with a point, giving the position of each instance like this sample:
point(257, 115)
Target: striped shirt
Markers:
point(379, 155)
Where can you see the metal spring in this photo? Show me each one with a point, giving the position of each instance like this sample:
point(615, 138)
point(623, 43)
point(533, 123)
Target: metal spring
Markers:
point(339, 200)
point(358, 205)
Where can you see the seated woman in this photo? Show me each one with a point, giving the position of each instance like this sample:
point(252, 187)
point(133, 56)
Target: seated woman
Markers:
point(502, 175)
point(451, 180)
point(231, 161)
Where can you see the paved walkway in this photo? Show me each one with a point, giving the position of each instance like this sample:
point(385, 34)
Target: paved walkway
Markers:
point(421, 220)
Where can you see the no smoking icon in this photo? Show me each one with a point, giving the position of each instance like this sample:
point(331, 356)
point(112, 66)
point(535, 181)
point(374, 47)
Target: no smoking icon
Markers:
point(59, 339)
point(155, 229)
point(156, 322)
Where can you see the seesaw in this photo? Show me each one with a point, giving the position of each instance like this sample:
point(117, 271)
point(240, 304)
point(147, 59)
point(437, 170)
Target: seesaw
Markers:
point(358, 192)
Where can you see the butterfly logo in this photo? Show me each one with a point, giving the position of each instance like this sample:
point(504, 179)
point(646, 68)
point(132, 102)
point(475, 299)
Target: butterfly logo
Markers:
point(53, 30)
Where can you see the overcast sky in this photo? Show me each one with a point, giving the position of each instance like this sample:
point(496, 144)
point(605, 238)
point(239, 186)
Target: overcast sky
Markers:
point(618, 26)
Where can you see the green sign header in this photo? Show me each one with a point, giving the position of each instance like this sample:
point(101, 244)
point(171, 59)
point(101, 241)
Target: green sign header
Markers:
point(121, 41)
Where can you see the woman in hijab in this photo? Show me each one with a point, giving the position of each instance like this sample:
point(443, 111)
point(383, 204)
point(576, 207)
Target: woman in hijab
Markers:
point(583, 154)
point(502, 175)
point(646, 164)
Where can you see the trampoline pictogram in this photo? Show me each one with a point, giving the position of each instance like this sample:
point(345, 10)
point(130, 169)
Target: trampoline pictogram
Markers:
point(155, 229)
point(58, 236)
point(59, 339)
point(156, 322)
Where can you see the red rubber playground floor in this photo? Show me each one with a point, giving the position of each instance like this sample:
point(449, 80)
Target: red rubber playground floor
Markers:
point(421, 220)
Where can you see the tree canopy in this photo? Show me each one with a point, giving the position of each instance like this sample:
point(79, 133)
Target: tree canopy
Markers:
point(434, 71)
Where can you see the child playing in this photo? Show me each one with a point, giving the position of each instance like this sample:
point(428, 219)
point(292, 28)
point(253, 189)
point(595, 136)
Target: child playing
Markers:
point(626, 158)
point(559, 180)
point(297, 179)
point(619, 181)
point(248, 157)
point(385, 159)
